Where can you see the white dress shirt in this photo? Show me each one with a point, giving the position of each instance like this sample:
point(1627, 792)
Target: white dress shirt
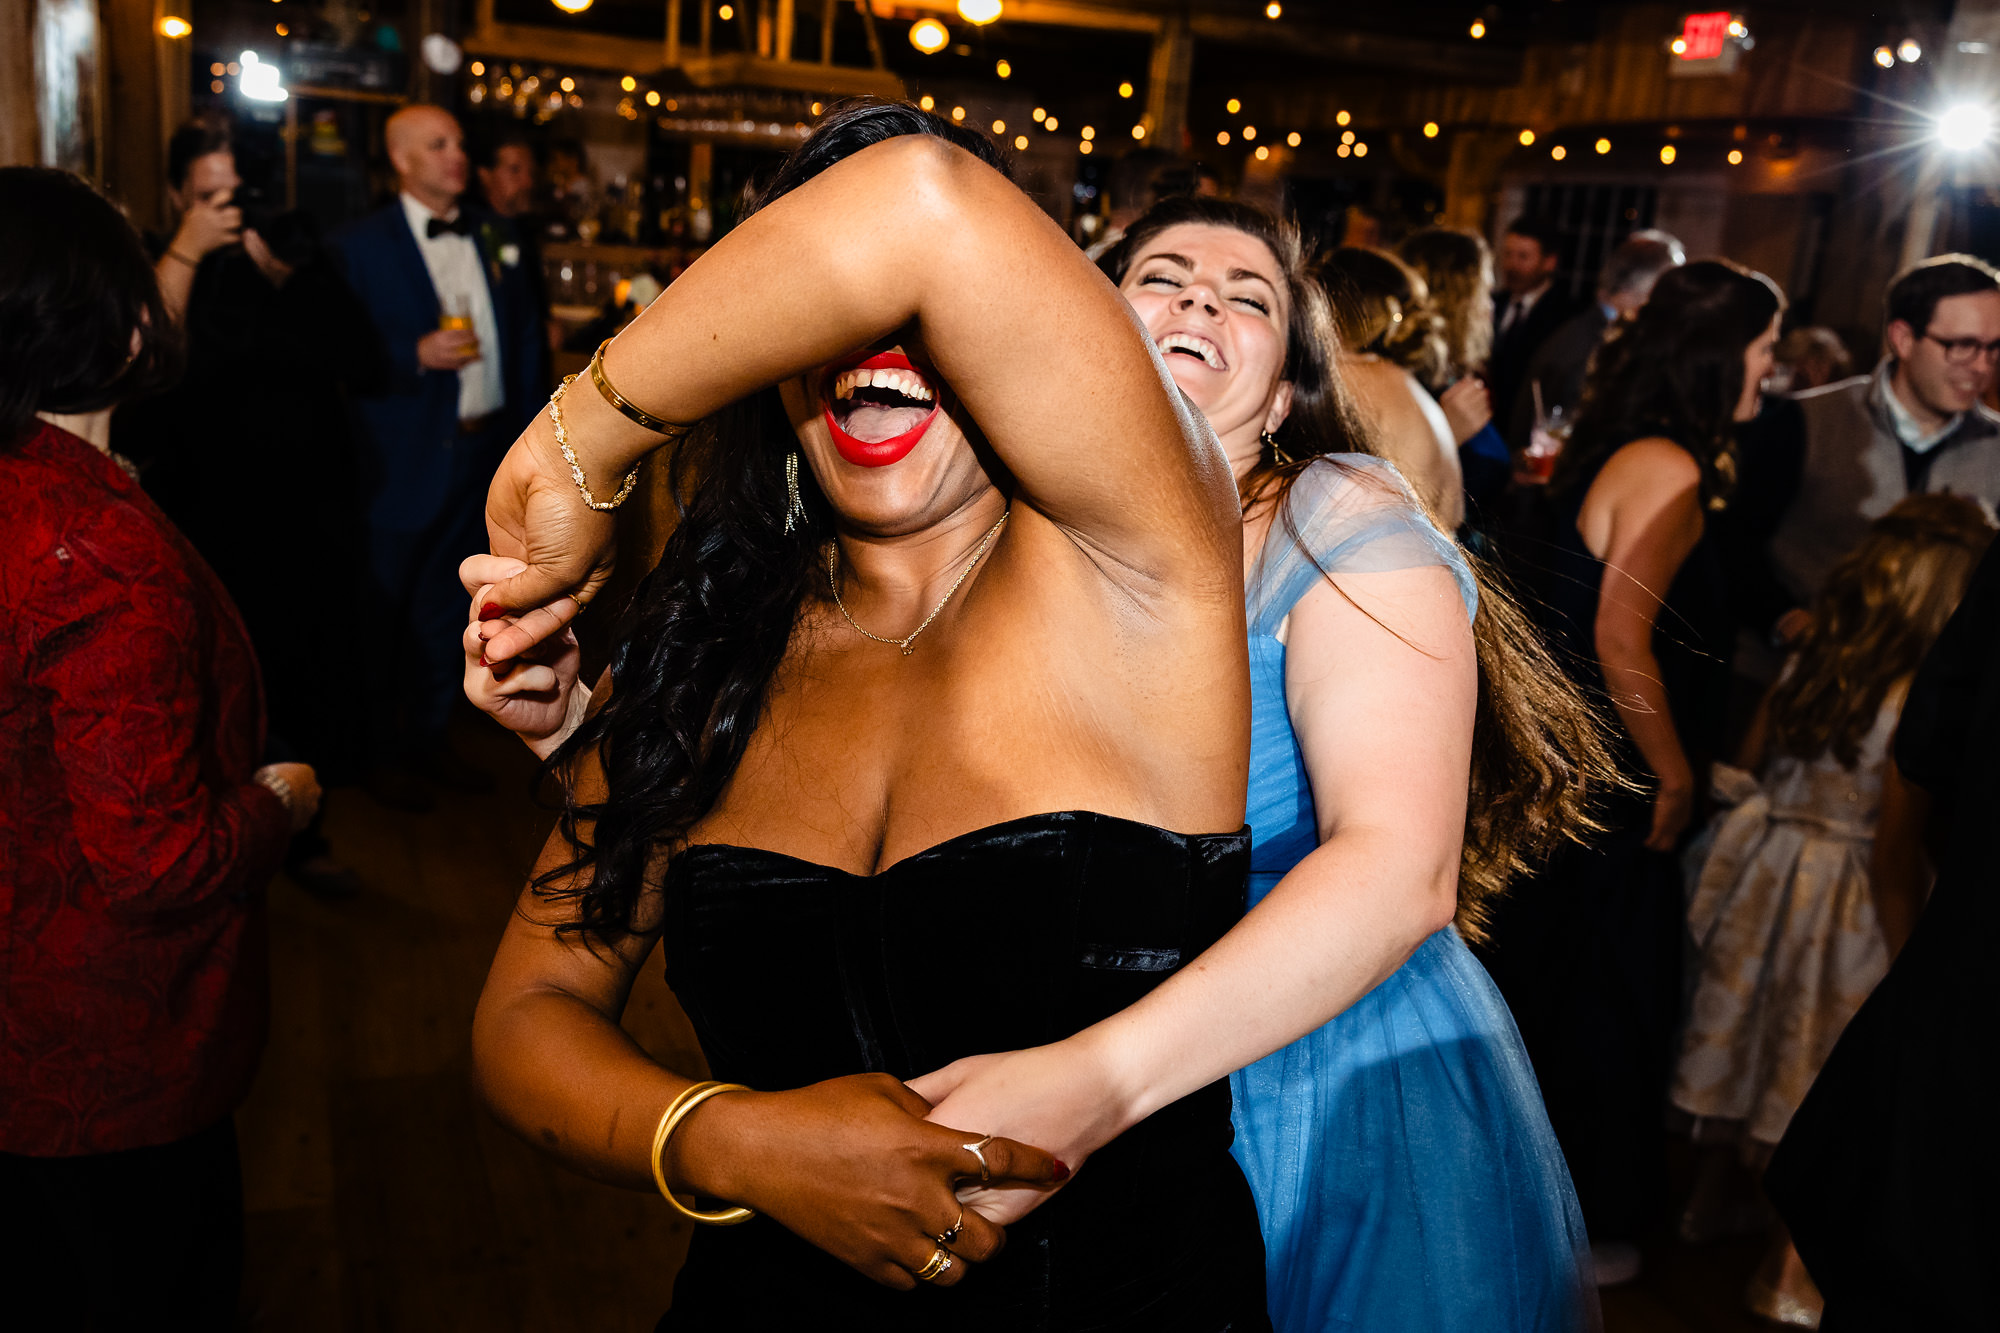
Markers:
point(458, 273)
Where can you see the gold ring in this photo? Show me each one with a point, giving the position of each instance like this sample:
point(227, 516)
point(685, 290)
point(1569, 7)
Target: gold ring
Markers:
point(985, 1174)
point(936, 1267)
point(950, 1234)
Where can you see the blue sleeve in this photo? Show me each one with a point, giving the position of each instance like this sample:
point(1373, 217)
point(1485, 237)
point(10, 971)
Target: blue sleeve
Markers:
point(1487, 464)
point(398, 336)
point(1347, 514)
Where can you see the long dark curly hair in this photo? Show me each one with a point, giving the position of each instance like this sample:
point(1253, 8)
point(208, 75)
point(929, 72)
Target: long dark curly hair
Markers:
point(705, 632)
point(1539, 752)
point(1674, 370)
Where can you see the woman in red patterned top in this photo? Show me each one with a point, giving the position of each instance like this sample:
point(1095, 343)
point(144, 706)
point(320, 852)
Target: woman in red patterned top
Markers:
point(137, 829)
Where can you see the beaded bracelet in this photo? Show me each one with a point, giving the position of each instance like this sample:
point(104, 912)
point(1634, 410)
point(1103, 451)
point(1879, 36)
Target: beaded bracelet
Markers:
point(576, 468)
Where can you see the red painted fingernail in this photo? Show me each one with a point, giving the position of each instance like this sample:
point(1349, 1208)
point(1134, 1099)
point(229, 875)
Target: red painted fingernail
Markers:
point(1062, 1172)
point(492, 611)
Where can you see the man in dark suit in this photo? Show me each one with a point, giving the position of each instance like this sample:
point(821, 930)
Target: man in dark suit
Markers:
point(1559, 364)
point(1526, 309)
point(453, 313)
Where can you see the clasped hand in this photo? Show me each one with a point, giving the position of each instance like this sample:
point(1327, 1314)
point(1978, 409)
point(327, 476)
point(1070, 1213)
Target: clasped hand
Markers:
point(534, 516)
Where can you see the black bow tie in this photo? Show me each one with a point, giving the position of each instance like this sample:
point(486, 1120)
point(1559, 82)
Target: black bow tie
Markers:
point(437, 227)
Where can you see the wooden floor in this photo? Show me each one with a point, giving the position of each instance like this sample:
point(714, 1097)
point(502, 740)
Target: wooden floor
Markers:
point(382, 1197)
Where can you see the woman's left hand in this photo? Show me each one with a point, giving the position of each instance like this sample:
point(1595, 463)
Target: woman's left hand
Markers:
point(1050, 1096)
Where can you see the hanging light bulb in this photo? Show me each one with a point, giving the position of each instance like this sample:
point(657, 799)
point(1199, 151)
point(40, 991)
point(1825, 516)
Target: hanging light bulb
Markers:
point(929, 36)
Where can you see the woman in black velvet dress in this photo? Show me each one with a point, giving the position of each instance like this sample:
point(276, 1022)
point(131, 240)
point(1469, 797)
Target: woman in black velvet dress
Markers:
point(927, 738)
point(1632, 598)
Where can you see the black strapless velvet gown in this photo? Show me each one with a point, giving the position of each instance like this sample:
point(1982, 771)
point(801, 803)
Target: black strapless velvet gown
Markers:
point(1006, 937)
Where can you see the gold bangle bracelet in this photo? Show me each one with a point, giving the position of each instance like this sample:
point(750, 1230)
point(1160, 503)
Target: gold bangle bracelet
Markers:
point(677, 1110)
point(631, 411)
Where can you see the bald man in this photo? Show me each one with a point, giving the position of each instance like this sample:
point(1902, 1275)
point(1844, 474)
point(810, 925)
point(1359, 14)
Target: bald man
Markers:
point(454, 312)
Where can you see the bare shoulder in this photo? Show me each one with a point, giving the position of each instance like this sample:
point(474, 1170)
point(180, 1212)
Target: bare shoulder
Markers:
point(1654, 463)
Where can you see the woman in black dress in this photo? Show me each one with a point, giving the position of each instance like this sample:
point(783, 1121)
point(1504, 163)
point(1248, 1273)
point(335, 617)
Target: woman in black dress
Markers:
point(1632, 599)
point(928, 738)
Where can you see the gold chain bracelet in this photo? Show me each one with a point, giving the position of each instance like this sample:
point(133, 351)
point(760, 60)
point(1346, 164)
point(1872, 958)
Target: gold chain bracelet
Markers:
point(677, 1110)
point(631, 411)
point(569, 455)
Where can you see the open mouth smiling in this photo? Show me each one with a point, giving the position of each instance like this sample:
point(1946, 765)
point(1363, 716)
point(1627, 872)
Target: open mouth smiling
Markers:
point(1193, 346)
point(877, 409)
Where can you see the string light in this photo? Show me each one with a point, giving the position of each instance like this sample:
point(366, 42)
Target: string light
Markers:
point(1083, 147)
point(1736, 157)
point(1039, 116)
point(1885, 57)
point(1004, 69)
point(1088, 132)
point(628, 83)
point(1603, 146)
point(1232, 106)
point(572, 6)
point(1125, 90)
point(1050, 124)
point(1478, 29)
point(1347, 136)
point(999, 127)
point(1430, 129)
point(1222, 136)
point(979, 12)
point(958, 113)
point(1909, 52)
point(1558, 152)
point(929, 36)
point(1293, 139)
point(1344, 150)
point(175, 26)
point(1273, 10)
point(1020, 142)
point(726, 13)
point(282, 31)
point(1527, 138)
point(816, 107)
point(1667, 154)
point(1679, 46)
point(568, 84)
point(1138, 131)
point(217, 69)
point(1249, 132)
point(1262, 152)
point(1341, 118)
point(652, 95)
point(926, 102)
point(1361, 150)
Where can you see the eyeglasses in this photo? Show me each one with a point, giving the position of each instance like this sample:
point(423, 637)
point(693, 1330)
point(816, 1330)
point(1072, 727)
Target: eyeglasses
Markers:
point(1964, 351)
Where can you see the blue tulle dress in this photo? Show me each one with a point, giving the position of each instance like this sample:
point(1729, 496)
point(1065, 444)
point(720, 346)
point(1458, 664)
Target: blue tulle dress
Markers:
point(1405, 1174)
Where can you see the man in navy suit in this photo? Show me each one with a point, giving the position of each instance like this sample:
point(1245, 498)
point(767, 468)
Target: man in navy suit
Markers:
point(453, 310)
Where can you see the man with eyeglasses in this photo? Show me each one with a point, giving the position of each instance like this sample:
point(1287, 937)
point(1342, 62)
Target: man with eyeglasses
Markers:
point(1914, 425)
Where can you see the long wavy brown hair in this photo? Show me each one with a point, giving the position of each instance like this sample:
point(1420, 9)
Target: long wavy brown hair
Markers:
point(1879, 613)
point(1457, 266)
point(1539, 752)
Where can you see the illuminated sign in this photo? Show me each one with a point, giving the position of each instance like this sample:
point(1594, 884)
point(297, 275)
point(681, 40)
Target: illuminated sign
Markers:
point(1703, 36)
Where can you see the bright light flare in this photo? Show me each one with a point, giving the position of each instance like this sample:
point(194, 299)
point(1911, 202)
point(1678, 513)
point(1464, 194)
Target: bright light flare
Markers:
point(1885, 57)
point(980, 12)
point(1965, 127)
point(929, 36)
point(1909, 52)
point(174, 26)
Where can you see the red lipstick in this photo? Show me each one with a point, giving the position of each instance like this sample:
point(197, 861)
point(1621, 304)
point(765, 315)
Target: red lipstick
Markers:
point(876, 453)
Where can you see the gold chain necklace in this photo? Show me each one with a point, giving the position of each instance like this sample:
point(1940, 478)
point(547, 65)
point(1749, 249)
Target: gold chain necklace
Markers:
point(907, 643)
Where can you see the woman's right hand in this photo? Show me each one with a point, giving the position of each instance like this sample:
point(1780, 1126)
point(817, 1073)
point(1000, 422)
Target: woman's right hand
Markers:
point(303, 784)
point(208, 225)
point(850, 1166)
point(537, 696)
point(535, 516)
point(1468, 407)
point(1673, 810)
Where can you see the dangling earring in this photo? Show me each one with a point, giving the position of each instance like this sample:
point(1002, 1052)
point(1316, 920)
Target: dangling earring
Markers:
point(795, 507)
point(1270, 441)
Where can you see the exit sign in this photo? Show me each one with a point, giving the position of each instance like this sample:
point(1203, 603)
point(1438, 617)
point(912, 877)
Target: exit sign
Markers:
point(1703, 36)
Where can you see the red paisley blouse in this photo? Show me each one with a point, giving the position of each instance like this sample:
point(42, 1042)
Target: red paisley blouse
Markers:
point(134, 847)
